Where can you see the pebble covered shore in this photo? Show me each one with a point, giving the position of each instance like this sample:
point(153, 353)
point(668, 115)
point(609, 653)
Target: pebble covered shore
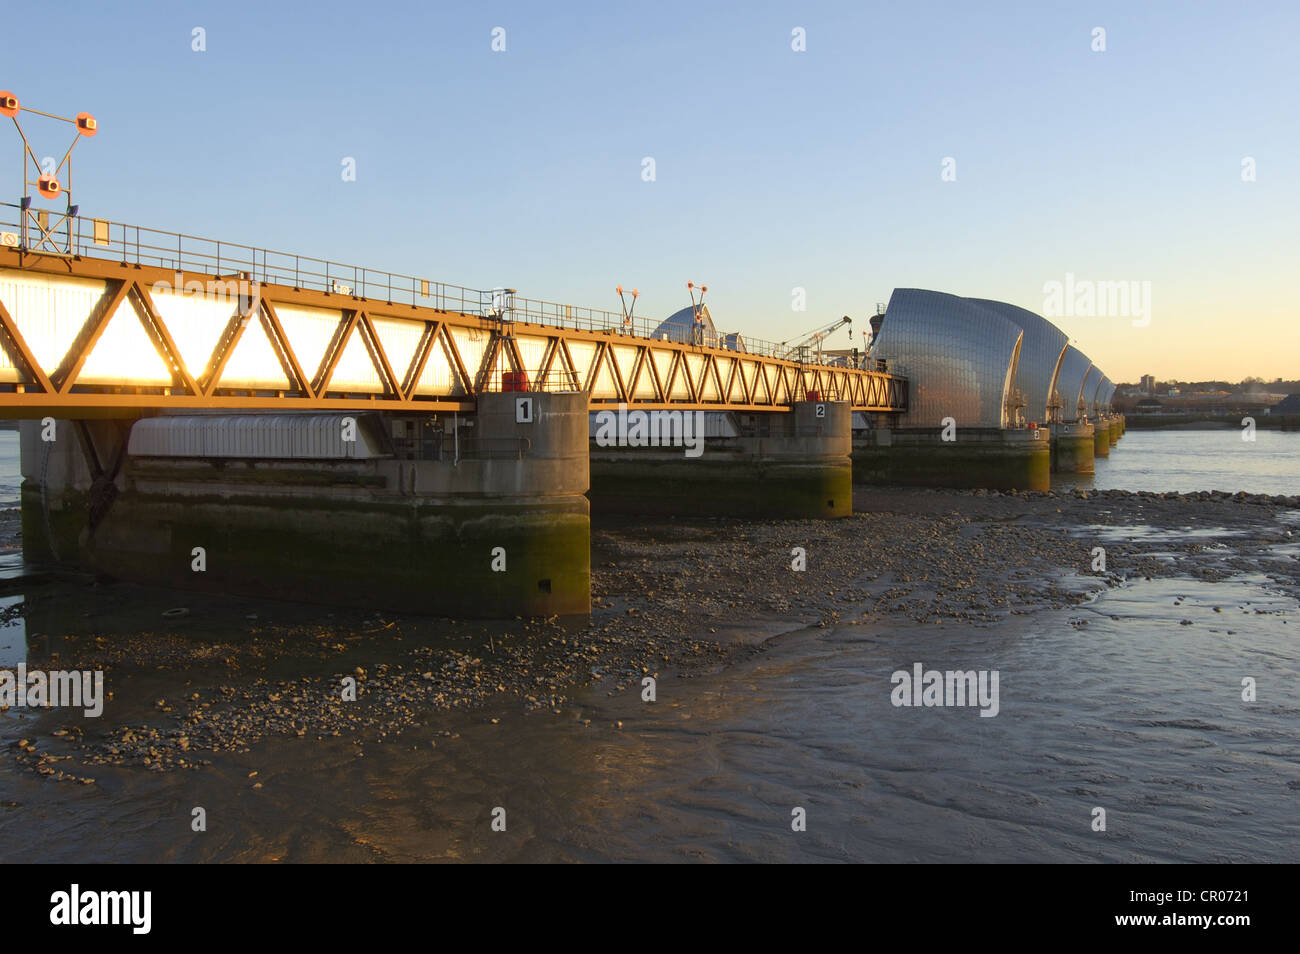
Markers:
point(681, 596)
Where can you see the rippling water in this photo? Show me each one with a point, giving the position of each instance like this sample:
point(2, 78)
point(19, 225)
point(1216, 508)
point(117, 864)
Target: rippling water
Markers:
point(1191, 460)
point(1102, 714)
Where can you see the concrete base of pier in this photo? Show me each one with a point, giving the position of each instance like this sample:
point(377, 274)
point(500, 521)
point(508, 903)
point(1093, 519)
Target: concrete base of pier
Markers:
point(493, 535)
point(1072, 448)
point(978, 458)
point(782, 466)
point(432, 557)
point(1101, 437)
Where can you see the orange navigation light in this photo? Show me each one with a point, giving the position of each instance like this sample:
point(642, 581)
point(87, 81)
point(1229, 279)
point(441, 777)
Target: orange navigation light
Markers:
point(48, 186)
point(619, 289)
point(8, 103)
point(86, 124)
point(635, 293)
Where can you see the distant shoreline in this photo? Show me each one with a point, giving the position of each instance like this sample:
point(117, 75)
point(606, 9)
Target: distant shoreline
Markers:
point(1205, 423)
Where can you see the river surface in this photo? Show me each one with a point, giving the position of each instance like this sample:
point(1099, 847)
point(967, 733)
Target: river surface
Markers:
point(1193, 460)
point(1131, 703)
point(11, 476)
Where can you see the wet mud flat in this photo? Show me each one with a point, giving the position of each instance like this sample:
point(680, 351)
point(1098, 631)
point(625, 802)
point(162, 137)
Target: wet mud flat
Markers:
point(197, 683)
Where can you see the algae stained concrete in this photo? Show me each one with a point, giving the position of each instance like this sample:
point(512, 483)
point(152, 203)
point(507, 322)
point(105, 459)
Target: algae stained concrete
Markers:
point(1101, 438)
point(784, 465)
point(1072, 448)
point(976, 458)
point(503, 534)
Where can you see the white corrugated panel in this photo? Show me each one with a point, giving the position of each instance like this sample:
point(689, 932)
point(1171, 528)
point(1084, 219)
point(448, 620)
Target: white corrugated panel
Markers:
point(253, 436)
point(720, 424)
point(49, 312)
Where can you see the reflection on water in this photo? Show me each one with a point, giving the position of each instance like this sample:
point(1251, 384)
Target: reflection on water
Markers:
point(13, 632)
point(1192, 460)
point(11, 476)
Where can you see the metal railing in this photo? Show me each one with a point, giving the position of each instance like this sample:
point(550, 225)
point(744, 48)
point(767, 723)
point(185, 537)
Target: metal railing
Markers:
point(139, 245)
point(136, 244)
point(556, 380)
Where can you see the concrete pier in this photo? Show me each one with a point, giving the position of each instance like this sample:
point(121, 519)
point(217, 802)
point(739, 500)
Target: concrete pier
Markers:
point(978, 458)
point(1072, 448)
point(788, 466)
point(1101, 437)
point(496, 524)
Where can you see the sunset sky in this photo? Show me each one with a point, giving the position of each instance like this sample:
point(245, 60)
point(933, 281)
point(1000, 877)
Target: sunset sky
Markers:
point(774, 168)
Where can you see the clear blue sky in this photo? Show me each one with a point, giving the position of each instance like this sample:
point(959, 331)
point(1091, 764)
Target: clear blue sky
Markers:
point(775, 169)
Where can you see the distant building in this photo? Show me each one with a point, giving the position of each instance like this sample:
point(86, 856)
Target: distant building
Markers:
point(1148, 406)
point(691, 325)
point(1288, 405)
point(694, 325)
point(1148, 383)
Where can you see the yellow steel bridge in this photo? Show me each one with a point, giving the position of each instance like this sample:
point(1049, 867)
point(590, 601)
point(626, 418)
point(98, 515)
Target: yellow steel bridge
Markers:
point(103, 319)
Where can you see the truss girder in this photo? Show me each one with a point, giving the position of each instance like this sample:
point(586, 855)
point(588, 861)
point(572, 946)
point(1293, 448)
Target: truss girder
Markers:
point(131, 337)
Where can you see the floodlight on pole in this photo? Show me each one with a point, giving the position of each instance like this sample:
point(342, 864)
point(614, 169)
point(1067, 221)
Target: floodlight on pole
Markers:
point(48, 183)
